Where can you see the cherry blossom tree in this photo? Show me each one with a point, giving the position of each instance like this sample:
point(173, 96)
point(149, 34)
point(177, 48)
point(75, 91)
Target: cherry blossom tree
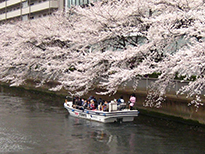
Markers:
point(107, 44)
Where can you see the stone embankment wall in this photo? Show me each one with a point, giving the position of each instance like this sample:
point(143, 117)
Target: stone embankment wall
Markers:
point(174, 105)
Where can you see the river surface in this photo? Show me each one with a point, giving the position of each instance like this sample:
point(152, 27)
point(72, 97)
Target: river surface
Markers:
point(36, 123)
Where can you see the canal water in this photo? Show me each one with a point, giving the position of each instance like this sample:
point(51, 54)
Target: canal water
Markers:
point(36, 123)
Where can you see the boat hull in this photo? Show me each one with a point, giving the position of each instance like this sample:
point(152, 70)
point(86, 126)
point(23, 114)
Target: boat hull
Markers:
point(101, 116)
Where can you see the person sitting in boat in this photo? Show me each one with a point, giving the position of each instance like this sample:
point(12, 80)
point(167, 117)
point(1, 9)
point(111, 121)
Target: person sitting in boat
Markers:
point(81, 104)
point(88, 105)
point(78, 103)
point(100, 100)
point(92, 105)
point(85, 104)
point(120, 100)
point(100, 106)
point(100, 103)
point(105, 106)
point(121, 103)
point(94, 99)
point(74, 98)
point(74, 101)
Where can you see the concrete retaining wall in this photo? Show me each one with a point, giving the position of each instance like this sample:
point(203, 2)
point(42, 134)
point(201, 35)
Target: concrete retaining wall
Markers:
point(174, 105)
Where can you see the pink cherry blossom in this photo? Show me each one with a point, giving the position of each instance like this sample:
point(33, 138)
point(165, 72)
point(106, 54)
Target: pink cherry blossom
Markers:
point(109, 44)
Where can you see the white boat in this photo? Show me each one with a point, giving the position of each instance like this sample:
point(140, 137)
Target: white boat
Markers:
point(113, 115)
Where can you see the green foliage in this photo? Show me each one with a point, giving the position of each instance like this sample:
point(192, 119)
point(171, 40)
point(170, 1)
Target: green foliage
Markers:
point(177, 77)
point(153, 75)
point(72, 68)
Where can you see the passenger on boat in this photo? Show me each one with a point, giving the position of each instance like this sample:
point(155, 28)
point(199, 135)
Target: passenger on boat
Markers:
point(92, 104)
point(85, 104)
point(100, 100)
point(121, 103)
point(94, 99)
point(120, 100)
point(132, 101)
point(88, 105)
point(74, 102)
point(100, 106)
point(100, 103)
point(105, 106)
point(77, 103)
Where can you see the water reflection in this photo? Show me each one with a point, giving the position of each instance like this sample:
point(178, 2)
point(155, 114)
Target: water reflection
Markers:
point(145, 135)
point(94, 130)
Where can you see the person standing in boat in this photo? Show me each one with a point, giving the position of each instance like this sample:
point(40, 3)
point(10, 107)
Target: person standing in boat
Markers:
point(132, 101)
